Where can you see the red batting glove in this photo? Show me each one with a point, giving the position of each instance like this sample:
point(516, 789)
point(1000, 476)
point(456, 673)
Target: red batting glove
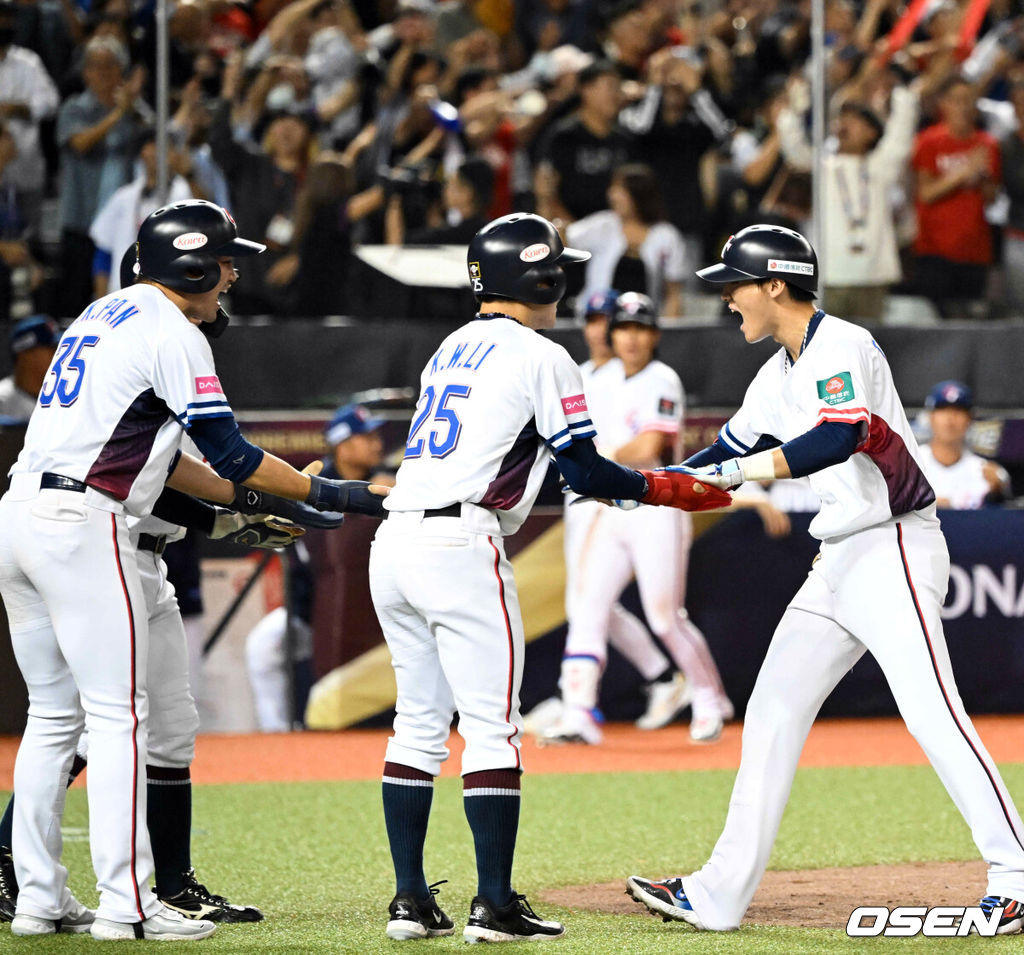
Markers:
point(685, 491)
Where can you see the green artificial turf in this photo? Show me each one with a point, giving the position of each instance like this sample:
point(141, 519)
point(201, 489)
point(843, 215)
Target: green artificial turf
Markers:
point(314, 856)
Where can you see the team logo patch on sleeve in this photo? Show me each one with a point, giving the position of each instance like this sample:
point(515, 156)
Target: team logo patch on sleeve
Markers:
point(576, 404)
point(836, 389)
point(208, 385)
point(666, 406)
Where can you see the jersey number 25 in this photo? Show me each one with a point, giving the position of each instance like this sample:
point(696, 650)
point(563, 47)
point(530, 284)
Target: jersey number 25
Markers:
point(447, 419)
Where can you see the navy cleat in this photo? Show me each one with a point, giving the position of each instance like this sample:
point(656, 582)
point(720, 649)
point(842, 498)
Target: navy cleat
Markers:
point(410, 918)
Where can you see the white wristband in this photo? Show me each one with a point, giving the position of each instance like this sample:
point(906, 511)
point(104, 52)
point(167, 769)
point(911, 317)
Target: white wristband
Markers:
point(758, 467)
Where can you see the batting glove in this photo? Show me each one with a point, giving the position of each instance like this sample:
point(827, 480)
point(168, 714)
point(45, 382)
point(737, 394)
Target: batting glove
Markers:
point(351, 497)
point(248, 500)
point(726, 475)
point(254, 530)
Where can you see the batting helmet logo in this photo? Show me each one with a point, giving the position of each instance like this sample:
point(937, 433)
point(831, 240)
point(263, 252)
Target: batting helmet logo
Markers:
point(190, 240)
point(535, 253)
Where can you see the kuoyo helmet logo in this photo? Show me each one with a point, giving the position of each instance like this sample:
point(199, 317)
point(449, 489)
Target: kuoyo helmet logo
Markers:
point(190, 241)
point(835, 385)
point(535, 252)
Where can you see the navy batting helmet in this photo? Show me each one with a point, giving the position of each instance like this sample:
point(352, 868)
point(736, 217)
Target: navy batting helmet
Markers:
point(950, 394)
point(179, 245)
point(632, 308)
point(600, 303)
point(129, 260)
point(766, 252)
point(520, 257)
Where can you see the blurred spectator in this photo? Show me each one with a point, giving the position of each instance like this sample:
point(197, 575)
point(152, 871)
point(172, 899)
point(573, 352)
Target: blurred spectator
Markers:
point(632, 247)
point(628, 37)
point(317, 270)
point(32, 342)
point(263, 181)
point(188, 129)
point(20, 274)
point(97, 131)
point(861, 258)
point(958, 172)
point(27, 96)
point(1012, 158)
point(542, 25)
point(578, 156)
point(462, 212)
point(116, 225)
point(961, 479)
point(677, 125)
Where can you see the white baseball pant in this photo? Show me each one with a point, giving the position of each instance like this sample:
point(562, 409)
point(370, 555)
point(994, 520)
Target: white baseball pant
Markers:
point(880, 590)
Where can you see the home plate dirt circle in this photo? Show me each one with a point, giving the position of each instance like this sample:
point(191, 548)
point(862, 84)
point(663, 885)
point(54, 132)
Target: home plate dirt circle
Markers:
point(814, 898)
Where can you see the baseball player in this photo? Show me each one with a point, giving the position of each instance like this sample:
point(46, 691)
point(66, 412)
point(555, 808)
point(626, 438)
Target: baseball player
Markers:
point(825, 405)
point(131, 374)
point(962, 479)
point(496, 400)
point(32, 342)
point(667, 690)
point(636, 405)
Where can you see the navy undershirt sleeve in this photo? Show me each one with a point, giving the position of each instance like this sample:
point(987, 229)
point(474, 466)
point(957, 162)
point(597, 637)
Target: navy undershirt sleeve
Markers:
point(713, 454)
point(101, 262)
point(222, 444)
point(831, 442)
point(591, 475)
point(178, 508)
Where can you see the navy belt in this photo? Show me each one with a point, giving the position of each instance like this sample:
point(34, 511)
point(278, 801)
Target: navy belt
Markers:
point(452, 510)
point(152, 543)
point(57, 482)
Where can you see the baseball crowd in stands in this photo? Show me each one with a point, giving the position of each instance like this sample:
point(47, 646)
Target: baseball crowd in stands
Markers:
point(649, 130)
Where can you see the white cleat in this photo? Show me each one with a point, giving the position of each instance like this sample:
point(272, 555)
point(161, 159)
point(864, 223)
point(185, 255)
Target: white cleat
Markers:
point(665, 700)
point(576, 725)
point(543, 716)
point(78, 919)
point(706, 728)
point(165, 925)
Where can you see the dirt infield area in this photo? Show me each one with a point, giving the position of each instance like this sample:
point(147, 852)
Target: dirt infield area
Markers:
point(359, 754)
point(816, 898)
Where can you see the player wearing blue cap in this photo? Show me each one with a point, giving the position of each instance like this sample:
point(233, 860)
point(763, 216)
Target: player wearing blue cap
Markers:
point(962, 479)
point(32, 344)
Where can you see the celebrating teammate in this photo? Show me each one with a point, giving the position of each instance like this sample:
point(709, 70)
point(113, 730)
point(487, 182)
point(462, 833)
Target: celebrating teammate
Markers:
point(827, 397)
point(130, 374)
point(636, 405)
point(496, 400)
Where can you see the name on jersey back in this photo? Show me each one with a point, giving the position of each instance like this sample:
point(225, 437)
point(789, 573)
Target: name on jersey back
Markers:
point(112, 311)
point(461, 357)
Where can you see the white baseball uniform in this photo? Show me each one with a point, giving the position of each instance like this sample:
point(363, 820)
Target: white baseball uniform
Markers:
point(963, 483)
point(128, 374)
point(878, 585)
point(651, 543)
point(625, 631)
point(495, 400)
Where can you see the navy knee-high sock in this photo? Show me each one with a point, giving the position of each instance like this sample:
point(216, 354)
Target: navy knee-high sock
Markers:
point(169, 821)
point(7, 820)
point(491, 800)
point(407, 795)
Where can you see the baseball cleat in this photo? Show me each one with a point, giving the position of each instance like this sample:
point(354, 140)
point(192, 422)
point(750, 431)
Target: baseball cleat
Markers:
point(1012, 920)
point(575, 725)
point(543, 716)
point(665, 898)
point(8, 885)
point(166, 925)
point(411, 918)
point(516, 922)
point(195, 901)
point(78, 920)
point(665, 700)
point(706, 729)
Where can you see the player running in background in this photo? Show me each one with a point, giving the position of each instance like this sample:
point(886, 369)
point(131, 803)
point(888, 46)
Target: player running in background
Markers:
point(667, 690)
point(636, 404)
point(825, 405)
point(496, 400)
